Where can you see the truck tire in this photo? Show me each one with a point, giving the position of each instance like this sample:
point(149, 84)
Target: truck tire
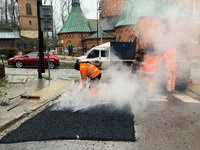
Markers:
point(182, 83)
point(135, 68)
point(182, 76)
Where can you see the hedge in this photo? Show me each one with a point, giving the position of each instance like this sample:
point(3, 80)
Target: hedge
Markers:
point(9, 51)
point(26, 51)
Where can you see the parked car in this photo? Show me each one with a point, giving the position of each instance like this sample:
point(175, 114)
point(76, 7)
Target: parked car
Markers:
point(31, 59)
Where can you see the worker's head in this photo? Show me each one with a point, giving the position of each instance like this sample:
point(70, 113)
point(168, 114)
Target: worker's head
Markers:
point(149, 50)
point(77, 66)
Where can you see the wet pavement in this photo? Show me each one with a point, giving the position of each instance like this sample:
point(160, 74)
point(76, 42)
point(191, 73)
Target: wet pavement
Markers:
point(47, 90)
point(166, 122)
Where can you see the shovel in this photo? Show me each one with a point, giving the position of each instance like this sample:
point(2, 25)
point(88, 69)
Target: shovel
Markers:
point(5, 102)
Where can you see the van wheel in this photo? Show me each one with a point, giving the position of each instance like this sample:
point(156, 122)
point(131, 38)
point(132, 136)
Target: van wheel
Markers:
point(19, 64)
point(182, 84)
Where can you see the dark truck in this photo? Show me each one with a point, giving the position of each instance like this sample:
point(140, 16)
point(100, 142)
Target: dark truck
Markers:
point(126, 53)
point(123, 52)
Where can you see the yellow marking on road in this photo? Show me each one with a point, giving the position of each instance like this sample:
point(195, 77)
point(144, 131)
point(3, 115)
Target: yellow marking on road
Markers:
point(185, 98)
point(54, 89)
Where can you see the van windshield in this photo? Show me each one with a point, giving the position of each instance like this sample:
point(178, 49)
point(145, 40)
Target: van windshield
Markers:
point(86, 54)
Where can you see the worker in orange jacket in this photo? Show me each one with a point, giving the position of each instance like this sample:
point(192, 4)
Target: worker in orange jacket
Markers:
point(88, 70)
point(149, 69)
point(169, 58)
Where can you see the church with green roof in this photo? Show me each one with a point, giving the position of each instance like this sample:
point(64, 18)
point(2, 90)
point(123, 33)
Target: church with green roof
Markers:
point(117, 23)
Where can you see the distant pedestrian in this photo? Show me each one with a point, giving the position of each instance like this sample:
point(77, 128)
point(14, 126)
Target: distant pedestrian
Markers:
point(169, 58)
point(88, 70)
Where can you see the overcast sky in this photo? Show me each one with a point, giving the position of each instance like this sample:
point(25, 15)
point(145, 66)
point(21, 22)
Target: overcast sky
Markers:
point(91, 6)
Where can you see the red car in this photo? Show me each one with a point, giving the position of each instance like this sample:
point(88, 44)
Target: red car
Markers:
point(31, 59)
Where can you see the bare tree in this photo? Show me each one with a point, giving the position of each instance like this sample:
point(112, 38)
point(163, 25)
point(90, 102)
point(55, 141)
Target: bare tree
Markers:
point(45, 1)
point(10, 13)
point(1, 11)
point(16, 15)
point(65, 7)
point(6, 15)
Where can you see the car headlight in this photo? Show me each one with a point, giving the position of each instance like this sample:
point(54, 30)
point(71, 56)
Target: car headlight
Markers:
point(10, 58)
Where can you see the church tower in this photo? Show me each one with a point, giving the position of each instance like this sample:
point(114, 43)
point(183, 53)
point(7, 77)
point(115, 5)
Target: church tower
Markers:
point(110, 8)
point(74, 30)
point(28, 18)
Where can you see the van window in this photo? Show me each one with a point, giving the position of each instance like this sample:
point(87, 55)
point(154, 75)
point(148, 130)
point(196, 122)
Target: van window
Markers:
point(104, 53)
point(94, 54)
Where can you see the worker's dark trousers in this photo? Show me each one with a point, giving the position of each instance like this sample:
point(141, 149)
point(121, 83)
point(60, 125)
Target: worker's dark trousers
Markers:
point(94, 86)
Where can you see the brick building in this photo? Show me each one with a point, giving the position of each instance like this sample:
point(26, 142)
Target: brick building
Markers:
point(28, 18)
point(149, 21)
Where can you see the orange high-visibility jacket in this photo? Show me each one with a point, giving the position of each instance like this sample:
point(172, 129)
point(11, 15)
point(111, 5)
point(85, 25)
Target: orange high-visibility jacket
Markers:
point(88, 70)
point(150, 66)
point(170, 58)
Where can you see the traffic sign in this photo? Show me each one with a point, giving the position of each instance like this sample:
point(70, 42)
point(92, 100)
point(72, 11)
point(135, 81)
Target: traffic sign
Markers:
point(46, 25)
point(46, 12)
point(46, 18)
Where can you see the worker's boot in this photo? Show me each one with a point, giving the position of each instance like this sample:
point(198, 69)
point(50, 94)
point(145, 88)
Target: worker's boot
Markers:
point(191, 81)
point(97, 91)
point(92, 93)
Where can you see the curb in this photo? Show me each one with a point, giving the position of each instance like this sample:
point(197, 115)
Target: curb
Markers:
point(4, 129)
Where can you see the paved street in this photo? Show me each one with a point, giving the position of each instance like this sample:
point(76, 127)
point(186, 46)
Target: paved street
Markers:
point(163, 122)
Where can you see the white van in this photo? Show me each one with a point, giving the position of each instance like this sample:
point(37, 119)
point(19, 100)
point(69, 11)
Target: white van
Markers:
point(99, 55)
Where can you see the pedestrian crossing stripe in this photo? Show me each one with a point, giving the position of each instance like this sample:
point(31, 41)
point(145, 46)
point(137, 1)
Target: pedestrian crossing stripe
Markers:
point(185, 98)
point(159, 98)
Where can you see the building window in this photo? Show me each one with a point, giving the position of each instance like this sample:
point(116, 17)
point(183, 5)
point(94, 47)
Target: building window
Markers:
point(131, 39)
point(28, 9)
point(69, 43)
point(29, 22)
point(120, 39)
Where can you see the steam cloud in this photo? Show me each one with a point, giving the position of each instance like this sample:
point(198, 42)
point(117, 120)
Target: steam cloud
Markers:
point(125, 87)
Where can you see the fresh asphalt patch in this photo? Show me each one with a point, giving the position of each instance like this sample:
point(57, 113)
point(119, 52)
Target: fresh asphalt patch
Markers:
point(104, 122)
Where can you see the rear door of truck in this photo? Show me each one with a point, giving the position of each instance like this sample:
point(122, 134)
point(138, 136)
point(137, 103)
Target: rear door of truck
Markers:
point(104, 59)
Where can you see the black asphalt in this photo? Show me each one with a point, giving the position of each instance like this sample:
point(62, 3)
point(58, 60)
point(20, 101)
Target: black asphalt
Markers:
point(103, 122)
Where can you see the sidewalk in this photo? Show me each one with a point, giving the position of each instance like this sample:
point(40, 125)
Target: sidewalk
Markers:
point(48, 90)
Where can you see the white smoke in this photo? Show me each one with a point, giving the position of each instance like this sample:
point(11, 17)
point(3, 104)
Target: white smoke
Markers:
point(124, 87)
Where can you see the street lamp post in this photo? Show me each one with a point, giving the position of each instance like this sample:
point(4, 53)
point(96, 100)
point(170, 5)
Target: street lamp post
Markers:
point(41, 68)
point(98, 11)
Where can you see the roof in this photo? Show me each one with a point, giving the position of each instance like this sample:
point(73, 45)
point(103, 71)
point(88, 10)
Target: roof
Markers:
point(103, 46)
point(138, 8)
point(108, 23)
point(105, 35)
point(128, 15)
point(9, 35)
point(92, 24)
point(76, 21)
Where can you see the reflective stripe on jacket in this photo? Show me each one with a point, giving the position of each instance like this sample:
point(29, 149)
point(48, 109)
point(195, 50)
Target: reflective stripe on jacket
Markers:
point(150, 66)
point(88, 70)
point(170, 58)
